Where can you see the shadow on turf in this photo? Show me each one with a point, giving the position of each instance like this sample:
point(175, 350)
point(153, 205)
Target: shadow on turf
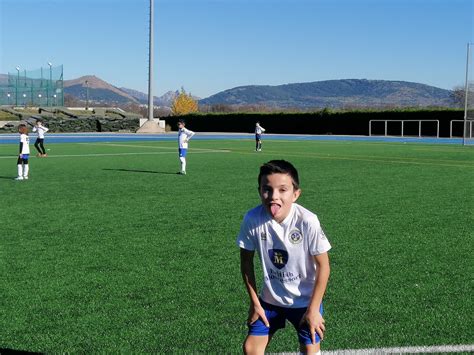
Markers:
point(7, 177)
point(142, 171)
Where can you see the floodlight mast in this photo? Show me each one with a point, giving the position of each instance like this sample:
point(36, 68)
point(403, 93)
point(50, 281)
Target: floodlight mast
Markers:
point(466, 94)
point(50, 85)
point(17, 83)
point(150, 66)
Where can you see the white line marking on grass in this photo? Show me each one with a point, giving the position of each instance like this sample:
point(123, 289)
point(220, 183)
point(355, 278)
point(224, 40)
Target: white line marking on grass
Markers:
point(404, 350)
point(363, 158)
point(155, 147)
point(114, 154)
point(400, 350)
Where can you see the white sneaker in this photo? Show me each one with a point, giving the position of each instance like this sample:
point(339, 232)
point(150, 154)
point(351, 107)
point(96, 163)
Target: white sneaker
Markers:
point(183, 172)
point(19, 178)
point(25, 177)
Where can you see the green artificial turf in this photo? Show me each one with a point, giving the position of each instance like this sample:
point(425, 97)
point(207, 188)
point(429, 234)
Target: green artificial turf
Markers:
point(105, 248)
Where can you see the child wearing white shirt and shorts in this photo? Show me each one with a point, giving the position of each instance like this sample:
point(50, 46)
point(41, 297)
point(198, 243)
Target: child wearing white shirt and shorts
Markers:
point(23, 157)
point(293, 251)
point(184, 135)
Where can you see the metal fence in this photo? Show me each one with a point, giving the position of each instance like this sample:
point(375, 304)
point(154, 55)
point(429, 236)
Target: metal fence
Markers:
point(41, 87)
point(402, 131)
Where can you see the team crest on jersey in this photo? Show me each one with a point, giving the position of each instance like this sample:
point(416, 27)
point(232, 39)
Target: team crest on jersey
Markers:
point(295, 236)
point(263, 236)
point(278, 257)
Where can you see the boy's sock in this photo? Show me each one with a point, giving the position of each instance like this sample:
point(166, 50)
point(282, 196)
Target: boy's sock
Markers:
point(26, 169)
point(20, 170)
point(183, 163)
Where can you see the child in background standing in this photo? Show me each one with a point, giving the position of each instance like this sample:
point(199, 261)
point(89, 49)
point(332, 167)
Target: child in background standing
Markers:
point(40, 140)
point(259, 130)
point(22, 163)
point(184, 135)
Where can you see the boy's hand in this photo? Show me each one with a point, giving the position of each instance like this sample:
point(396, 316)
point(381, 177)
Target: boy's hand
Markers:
point(255, 312)
point(315, 322)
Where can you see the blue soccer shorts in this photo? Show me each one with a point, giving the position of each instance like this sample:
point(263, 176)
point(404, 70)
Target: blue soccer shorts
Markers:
point(182, 152)
point(23, 159)
point(258, 137)
point(277, 316)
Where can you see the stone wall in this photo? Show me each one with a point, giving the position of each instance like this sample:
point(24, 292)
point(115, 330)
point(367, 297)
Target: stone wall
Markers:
point(80, 124)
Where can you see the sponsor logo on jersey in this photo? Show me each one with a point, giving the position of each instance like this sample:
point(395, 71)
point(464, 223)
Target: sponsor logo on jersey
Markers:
point(263, 236)
point(278, 257)
point(295, 236)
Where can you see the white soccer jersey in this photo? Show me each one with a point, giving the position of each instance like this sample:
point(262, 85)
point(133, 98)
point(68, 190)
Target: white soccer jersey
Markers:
point(26, 143)
point(184, 135)
point(259, 129)
point(286, 251)
point(41, 131)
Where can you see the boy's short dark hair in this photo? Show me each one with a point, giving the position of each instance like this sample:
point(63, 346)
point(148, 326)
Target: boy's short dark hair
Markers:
point(23, 128)
point(181, 121)
point(279, 167)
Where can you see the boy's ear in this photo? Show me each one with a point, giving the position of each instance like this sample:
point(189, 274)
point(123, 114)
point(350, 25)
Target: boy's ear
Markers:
point(296, 194)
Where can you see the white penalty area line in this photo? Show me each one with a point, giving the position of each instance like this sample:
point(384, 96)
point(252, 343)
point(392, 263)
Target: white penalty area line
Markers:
point(156, 147)
point(404, 350)
point(113, 154)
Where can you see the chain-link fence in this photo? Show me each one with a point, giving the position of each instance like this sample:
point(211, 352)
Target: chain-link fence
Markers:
point(41, 87)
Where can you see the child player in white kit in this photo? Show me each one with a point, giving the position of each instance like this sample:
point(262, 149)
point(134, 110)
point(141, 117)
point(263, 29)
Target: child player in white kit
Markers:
point(184, 135)
point(259, 130)
point(22, 162)
point(292, 248)
point(39, 144)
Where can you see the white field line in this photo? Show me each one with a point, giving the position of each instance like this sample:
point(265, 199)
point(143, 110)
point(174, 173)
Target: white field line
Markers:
point(114, 154)
point(404, 350)
point(155, 147)
point(400, 350)
point(374, 159)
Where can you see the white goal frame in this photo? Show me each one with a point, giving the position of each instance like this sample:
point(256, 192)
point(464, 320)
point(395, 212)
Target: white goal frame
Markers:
point(403, 126)
point(467, 133)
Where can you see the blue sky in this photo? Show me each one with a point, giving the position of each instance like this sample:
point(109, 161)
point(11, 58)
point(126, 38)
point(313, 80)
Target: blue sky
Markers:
point(207, 46)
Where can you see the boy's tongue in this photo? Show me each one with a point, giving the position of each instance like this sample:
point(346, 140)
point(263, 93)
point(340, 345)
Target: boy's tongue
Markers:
point(274, 208)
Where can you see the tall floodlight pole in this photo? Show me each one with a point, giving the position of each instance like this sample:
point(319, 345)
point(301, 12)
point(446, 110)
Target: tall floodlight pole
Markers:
point(17, 83)
point(150, 126)
point(50, 86)
point(466, 94)
point(150, 66)
point(87, 95)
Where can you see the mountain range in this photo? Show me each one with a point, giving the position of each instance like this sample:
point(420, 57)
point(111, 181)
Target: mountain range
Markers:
point(346, 93)
point(101, 91)
point(336, 94)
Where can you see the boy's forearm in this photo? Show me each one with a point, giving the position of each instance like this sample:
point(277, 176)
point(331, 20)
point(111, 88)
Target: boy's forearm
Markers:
point(248, 275)
point(323, 271)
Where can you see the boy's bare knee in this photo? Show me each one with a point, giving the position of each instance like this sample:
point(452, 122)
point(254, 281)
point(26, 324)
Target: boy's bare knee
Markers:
point(255, 345)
